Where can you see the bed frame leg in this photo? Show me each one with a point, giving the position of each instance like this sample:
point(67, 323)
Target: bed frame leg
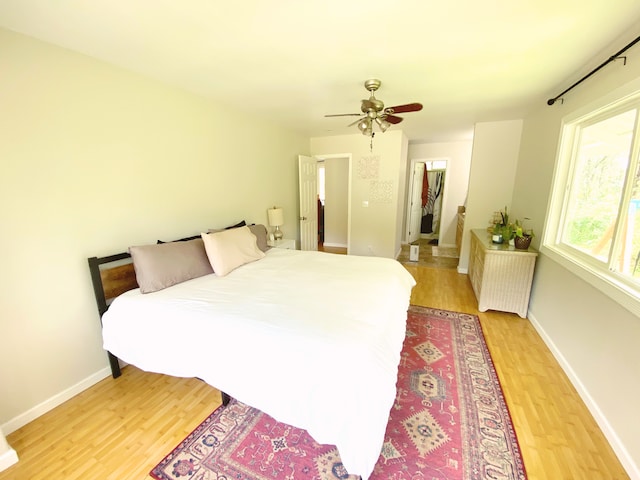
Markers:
point(115, 365)
point(225, 399)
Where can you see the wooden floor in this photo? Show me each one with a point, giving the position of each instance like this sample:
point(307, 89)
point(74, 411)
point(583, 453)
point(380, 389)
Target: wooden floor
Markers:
point(426, 257)
point(558, 436)
point(338, 250)
point(119, 429)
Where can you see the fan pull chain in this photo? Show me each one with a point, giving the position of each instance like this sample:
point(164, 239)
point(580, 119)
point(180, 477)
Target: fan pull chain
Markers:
point(371, 144)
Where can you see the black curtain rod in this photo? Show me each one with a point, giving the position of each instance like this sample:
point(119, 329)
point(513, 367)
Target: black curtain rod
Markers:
point(615, 56)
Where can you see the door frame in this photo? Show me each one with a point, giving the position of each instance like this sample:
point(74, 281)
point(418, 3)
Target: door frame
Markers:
point(307, 206)
point(410, 199)
point(349, 158)
point(444, 189)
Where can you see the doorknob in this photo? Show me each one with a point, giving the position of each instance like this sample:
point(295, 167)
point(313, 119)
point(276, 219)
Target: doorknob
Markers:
point(303, 218)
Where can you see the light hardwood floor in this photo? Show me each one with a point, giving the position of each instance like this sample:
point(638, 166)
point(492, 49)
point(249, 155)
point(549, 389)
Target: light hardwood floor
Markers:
point(119, 429)
point(338, 250)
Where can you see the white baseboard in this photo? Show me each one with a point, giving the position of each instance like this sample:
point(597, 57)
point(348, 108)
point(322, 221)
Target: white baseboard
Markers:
point(462, 270)
point(618, 447)
point(8, 458)
point(336, 245)
point(49, 404)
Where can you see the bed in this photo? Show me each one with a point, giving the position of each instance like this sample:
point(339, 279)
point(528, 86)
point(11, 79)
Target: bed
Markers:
point(312, 339)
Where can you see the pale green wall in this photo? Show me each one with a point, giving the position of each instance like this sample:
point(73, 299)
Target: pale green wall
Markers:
point(456, 182)
point(375, 229)
point(493, 168)
point(336, 208)
point(93, 160)
point(595, 339)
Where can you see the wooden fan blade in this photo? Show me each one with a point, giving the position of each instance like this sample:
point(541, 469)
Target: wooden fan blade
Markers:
point(344, 115)
point(409, 107)
point(353, 123)
point(392, 119)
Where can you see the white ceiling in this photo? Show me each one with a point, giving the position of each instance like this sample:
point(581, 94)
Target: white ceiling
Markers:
point(293, 61)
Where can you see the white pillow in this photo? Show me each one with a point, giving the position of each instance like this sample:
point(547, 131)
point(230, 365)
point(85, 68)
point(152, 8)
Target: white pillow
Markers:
point(229, 249)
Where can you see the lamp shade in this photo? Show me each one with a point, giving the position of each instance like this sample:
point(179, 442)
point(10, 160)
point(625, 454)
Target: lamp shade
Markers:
point(276, 217)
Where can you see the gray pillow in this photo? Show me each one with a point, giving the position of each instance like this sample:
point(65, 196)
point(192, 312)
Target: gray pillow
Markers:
point(162, 265)
point(260, 231)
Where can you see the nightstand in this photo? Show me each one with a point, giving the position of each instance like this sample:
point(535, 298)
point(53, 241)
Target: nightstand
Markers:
point(286, 243)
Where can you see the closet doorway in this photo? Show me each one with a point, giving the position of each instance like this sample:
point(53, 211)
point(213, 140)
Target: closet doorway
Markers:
point(333, 203)
point(425, 199)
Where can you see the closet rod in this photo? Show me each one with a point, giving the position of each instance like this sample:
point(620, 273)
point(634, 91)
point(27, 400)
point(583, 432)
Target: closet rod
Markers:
point(613, 57)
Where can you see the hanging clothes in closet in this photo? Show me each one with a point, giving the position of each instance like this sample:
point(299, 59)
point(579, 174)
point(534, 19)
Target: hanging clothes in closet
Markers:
point(432, 208)
point(425, 187)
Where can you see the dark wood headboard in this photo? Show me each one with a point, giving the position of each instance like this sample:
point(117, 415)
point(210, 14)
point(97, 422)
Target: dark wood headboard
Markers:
point(111, 281)
point(108, 283)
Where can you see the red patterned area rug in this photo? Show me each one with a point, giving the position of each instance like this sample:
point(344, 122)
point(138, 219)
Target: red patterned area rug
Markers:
point(449, 421)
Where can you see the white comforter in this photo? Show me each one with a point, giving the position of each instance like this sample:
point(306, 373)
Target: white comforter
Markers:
point(312, 339)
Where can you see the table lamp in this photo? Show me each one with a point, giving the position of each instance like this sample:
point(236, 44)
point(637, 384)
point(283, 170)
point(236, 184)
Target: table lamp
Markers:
point(276, 219)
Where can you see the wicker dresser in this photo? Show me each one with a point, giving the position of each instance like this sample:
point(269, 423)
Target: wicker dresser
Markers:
point(500, 275)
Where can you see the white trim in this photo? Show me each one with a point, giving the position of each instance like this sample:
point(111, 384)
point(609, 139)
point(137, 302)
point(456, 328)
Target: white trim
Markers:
point(8, 458)
point(49, 404)
point(408, 197)
point(619, 292)
point(618, 447)
point(337, 245)
point(8, 455)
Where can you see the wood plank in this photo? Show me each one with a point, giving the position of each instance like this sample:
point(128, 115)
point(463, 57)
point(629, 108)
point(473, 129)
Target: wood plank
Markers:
point(117, 429)
point(117, 280)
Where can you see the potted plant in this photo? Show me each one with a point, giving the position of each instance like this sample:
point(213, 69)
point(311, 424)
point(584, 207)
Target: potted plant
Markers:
point(523, 236)
point(502, 230)
point(496, 233)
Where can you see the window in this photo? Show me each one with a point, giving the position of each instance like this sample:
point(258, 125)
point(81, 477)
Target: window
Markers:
point(594, 220)
point(432, 165)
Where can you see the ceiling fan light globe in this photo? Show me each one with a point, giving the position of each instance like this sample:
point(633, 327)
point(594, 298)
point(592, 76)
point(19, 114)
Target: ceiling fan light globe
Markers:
point(383, 124)
point(362, 125)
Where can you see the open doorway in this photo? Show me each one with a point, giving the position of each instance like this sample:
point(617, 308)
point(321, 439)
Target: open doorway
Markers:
point(425, 200)
point(333, 204)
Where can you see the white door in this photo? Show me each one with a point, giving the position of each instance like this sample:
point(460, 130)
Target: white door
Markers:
point(308, 184)
point(415, 208)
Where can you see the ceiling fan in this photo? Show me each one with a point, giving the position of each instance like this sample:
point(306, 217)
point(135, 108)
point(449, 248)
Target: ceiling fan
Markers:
point(374, 111)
